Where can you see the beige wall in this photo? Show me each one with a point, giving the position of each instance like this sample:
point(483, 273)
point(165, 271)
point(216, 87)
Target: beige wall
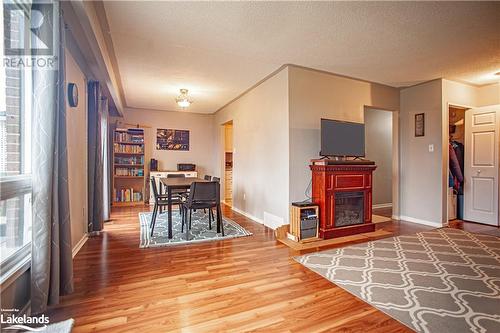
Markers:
point(76, 120)
point(378, 138)
point(260, 149)
point(421, 170)
point(488, 95)
point(201, 137)
point(315, 95)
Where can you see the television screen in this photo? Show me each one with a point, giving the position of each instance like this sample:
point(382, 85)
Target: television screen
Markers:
point(341, 138)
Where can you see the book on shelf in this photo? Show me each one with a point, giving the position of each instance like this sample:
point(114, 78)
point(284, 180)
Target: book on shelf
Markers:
point(121, 148)
point(130, 160)
point(134, 172)
point(130, 136)
point(127, 195)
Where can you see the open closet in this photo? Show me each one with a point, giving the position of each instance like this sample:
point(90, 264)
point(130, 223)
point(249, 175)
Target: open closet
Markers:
point(456, 147)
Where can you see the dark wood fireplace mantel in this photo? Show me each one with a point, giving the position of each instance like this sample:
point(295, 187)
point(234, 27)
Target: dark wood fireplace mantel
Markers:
point(329, 180)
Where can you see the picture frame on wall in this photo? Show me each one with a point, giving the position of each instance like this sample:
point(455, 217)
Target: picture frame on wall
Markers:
point(172, 139)
point(420, 124)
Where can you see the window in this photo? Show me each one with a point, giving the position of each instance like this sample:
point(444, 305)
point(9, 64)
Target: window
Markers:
point(15, 155)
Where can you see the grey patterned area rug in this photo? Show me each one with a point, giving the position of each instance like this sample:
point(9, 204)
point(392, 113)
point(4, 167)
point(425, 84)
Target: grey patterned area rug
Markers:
point(444, 280)
point(199, 230)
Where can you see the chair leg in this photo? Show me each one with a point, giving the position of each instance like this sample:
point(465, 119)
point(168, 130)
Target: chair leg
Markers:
point(210, 218)
point(188, 224)
point(153, 219)
point(219, 218)
point(182, 218)
point(190, 211)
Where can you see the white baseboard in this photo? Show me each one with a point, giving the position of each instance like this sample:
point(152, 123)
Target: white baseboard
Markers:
point(384, 205)
point(395, 217)
point(251, 217)
point(419, 221)
point(79, 245)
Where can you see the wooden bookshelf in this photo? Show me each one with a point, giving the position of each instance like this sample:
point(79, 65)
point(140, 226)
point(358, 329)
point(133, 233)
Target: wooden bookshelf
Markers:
point(128, 167)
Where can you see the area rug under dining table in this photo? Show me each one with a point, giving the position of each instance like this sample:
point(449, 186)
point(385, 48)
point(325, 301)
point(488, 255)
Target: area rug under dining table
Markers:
point(199, 232)
point(443, 280)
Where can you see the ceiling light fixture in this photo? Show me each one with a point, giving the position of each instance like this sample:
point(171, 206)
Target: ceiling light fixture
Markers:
point(182, 100)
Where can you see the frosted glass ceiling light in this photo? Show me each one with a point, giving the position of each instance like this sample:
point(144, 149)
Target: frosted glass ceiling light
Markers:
point(182, 100)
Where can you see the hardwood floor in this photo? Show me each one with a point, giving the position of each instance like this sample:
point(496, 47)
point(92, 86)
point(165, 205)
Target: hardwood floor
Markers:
point(243, 284)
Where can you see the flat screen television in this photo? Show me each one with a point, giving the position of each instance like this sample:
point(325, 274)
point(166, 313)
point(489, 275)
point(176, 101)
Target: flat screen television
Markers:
point(342, 138)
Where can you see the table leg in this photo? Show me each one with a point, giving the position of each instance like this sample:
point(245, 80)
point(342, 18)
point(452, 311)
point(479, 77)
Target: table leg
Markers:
point(220, 219)
point(169, 192)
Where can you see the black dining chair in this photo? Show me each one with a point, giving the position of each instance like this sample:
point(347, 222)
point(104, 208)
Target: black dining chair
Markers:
point(176, 175)
point(161, 200)
point(207, 177)
point(202, 195)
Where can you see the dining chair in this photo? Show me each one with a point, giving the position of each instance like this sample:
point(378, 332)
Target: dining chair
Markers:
point(202, 195)
point(161, 200)
point(176, 175)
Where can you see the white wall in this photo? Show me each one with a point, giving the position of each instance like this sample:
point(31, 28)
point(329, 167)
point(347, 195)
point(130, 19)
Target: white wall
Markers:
point(76, 122)
point(201, 137)
point(378, 138)
point(260, 149)
point(315, 95)
point(421, 170)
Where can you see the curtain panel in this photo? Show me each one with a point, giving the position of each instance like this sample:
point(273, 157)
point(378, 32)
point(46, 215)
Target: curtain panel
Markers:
point(96, 152)
point(51, 255)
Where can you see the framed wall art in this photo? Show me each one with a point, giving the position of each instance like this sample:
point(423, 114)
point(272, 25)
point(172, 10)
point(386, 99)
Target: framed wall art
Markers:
point(420, 124)
point(172, 139)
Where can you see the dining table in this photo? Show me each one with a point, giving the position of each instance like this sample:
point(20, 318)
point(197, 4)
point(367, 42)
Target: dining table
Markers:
point(182, 183)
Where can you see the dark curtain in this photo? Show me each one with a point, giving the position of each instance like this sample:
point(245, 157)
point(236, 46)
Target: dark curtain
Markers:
point(95, 158)
point(105, 158)
point(112, 128)
point(51, 256)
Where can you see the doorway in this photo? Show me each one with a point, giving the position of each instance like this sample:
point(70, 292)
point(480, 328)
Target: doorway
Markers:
point(456, 162)
point(379, 140)
point(228, 163)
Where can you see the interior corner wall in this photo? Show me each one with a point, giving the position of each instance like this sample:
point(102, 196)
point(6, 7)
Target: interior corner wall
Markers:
point(421, 170)
point(260, 150)
point(315, 95)
point(201, 137)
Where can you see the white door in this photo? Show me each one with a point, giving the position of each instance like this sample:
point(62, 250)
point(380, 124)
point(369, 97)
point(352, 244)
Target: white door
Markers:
point(481, 164)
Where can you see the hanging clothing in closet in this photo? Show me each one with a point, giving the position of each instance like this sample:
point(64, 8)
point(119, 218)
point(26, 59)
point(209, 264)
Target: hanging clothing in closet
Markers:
point(456, 152)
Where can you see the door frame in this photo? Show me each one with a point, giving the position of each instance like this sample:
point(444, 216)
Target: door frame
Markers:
point(222, 152)
point(446, 157)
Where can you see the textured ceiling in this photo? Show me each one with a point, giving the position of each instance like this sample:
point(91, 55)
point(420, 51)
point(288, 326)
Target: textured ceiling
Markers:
point(218, 50)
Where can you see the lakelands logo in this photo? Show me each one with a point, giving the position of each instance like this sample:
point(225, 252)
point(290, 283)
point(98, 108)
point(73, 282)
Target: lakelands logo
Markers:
point(9, 319)
point(28, 39)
